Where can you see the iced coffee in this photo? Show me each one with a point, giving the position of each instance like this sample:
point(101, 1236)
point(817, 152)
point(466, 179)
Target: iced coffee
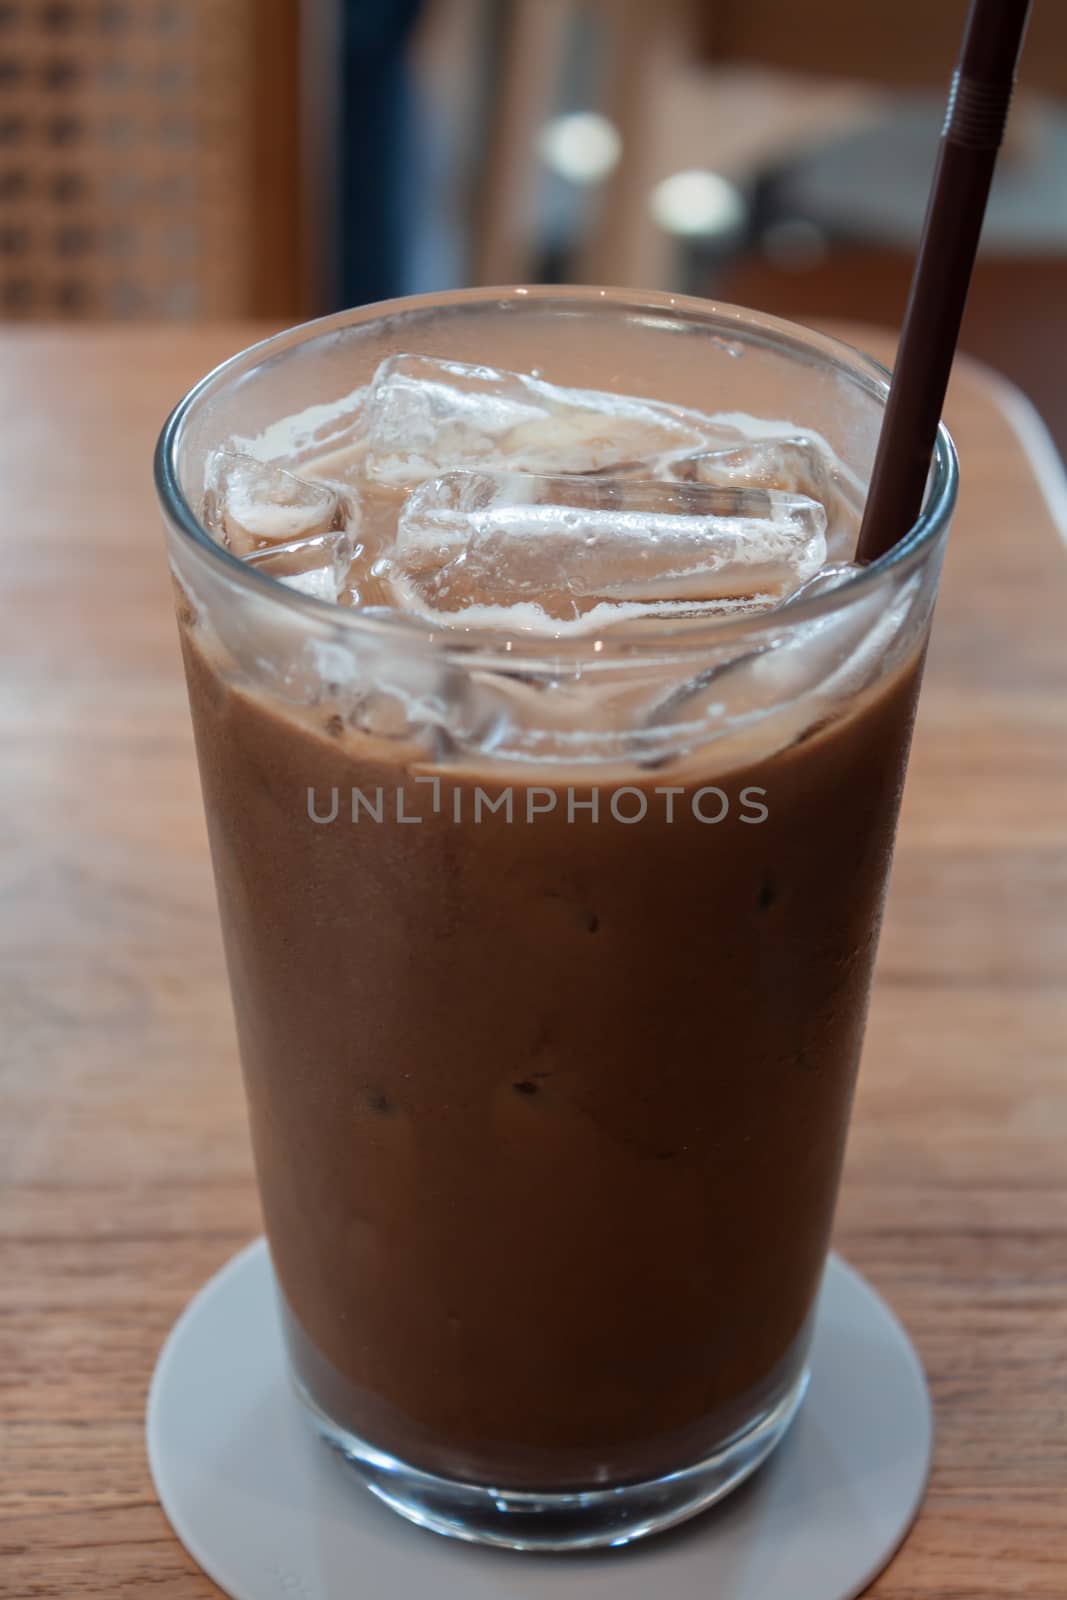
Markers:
point(551, 749)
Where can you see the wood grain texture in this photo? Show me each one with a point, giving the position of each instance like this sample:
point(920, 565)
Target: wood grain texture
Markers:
point(124, 1160)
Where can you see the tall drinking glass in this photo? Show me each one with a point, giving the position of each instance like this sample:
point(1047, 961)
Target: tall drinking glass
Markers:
point(550, 955)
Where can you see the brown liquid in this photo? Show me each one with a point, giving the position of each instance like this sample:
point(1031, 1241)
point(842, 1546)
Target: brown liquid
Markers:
point(548, 1118)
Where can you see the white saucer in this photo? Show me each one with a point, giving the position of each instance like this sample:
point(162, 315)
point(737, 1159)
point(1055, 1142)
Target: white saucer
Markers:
point(269, 1511)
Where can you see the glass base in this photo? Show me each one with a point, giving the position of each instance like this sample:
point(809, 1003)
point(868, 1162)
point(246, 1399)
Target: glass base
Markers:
point(580, 1520)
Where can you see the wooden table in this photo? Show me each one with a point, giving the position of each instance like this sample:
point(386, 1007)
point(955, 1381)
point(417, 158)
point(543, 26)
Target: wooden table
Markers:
point(123, 1152)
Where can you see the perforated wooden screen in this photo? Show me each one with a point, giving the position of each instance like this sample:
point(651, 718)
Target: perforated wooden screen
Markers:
point(148, 158)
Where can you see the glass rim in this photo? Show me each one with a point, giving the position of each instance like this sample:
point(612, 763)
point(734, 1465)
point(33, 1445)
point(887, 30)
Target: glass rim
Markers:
point(682, 636)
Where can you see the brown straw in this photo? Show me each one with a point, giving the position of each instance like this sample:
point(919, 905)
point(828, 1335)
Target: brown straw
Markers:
point(974, 125)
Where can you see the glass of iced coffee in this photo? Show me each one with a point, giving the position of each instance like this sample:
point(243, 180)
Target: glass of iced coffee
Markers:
point(551, 746)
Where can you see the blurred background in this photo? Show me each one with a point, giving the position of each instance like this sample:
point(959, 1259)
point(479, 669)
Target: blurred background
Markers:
point(180, 159)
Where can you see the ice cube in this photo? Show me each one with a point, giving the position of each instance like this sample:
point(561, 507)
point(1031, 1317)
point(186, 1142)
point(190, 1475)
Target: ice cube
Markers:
point(255, 504)
point(829, 577)
point(316, 566)
point(567, 545)
point(795, 465)
point(427, 416)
